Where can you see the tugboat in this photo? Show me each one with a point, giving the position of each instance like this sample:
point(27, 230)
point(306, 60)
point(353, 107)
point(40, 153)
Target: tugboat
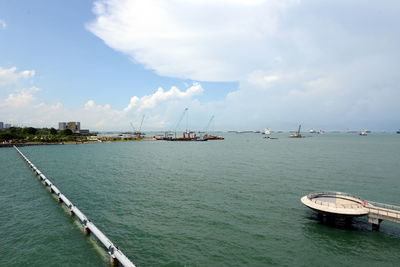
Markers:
point(297, 134)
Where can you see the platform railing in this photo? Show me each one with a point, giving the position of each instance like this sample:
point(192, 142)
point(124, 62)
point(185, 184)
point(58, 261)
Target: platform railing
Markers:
point(385, 212)
point(336, 205)
point(384, 206)
point(373, 207)
point(331, 193)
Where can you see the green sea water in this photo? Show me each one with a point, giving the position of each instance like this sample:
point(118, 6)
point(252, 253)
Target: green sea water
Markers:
point(234, 202)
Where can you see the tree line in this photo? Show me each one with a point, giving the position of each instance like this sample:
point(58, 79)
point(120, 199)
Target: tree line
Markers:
point(31, 134)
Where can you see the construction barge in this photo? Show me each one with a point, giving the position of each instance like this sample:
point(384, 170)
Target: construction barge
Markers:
point(188, 136)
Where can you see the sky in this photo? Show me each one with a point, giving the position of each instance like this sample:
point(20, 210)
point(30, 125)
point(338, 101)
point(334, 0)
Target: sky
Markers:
point(330, 65)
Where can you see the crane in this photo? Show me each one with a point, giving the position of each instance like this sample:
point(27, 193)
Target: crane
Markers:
point(180, 119)
point(140, 128)
point(139, 132)
point(297, 134)
point(133, 128)
point(209, 123)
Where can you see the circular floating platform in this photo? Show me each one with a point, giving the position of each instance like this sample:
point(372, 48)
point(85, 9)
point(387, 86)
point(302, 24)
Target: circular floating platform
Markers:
point(336, 203)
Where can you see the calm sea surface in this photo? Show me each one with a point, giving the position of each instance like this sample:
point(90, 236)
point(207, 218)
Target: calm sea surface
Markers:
point(218, 203)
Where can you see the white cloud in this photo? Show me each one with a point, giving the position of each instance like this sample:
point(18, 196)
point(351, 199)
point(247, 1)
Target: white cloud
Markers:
point(18, 100)
point(263, 79)
point(3, 25)
point(294, 60)
point(10, 76)
point(29, 90)
point(150, 101)
point(201, 40)
point(161, 108)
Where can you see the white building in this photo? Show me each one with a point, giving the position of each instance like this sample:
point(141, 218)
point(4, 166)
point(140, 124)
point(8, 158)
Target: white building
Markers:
point(62, 125)
point(74, 126)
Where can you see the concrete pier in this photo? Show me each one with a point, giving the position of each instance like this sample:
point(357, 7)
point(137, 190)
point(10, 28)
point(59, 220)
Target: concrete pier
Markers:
point(116, 256)
point(343, 204)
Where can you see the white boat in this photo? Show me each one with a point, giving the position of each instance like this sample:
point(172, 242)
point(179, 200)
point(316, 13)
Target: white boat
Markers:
point(312, 131)
point(363, 132)
point(267, 131)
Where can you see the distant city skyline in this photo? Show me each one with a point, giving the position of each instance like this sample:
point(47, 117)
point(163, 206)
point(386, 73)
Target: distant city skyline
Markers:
point(253, 64)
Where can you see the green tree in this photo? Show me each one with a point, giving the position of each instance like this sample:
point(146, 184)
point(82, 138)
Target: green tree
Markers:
point(30, 130)
point(67, 132)
point(6, 136)
point(14, 130)
point(53, 131)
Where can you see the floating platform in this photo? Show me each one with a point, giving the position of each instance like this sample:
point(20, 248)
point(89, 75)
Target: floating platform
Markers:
point(343, 204)
point(335, 203)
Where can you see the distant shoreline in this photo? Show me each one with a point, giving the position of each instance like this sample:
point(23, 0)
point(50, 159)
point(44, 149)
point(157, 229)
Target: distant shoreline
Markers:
point(71, 142)
point(27, 144)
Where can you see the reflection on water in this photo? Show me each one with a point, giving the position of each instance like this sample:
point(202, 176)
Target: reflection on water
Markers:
point(344, 238)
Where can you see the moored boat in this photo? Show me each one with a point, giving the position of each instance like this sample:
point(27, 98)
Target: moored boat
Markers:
point(267, 131)
point(213, 137)
point(296, 134)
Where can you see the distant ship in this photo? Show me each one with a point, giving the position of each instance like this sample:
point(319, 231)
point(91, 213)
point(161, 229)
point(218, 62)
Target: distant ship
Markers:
point(312, 131)
point(266, 131)
point(398, 131)
point(297, 134)
point(363, 132)
point(187, 136)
